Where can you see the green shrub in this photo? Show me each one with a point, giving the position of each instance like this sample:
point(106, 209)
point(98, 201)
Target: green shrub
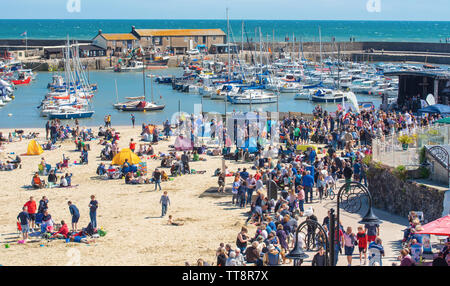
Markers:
point(424, 173)
point(422, 155)
point(400, 172)
point(367, 160)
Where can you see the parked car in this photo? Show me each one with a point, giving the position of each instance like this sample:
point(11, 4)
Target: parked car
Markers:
point(193, 52)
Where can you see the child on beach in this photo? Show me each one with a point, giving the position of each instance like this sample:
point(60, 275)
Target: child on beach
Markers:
point(165, 202)
point(170, 221)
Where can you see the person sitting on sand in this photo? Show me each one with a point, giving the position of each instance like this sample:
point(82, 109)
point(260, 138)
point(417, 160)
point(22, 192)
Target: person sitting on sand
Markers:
point(164, 177)
point(62, 232)
point(171, 221)
point(36, 182)
point(101, 169)
point(63, 182)
point(84, 156)
point(69, 179)
point(47, 221)
point(16, 162)
point(52, 178)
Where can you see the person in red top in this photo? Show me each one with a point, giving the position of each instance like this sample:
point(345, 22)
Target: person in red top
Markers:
point(257, 176)
point(361, 236)
point(63, 232)
point(31, 205)
point(132, 145)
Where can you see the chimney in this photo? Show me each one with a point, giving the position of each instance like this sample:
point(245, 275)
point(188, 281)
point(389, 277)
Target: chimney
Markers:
point(133, 28)
point(100, 32)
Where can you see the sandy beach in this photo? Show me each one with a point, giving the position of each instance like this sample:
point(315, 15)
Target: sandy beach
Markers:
point(136, 234)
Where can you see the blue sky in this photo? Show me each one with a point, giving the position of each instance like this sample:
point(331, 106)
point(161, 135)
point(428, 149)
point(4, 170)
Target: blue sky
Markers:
point(413, 10)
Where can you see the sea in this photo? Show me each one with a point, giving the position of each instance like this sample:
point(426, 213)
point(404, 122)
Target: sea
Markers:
point(298, 30)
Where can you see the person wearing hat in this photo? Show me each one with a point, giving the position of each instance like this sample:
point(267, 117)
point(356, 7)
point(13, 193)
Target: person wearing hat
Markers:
point(272, 257)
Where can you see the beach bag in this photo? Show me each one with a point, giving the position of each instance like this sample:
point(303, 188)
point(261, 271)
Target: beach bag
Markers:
point(101, 232)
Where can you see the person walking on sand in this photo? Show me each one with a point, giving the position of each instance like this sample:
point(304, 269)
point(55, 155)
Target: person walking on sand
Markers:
point(157, 179)
point(93, 206)
point(221, 182)
point(75, 213)
point(133, 119)
point(165, 202)
point(132, 145)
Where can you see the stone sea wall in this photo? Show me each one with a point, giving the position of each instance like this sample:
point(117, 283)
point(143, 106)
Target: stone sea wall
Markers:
point(395, 195)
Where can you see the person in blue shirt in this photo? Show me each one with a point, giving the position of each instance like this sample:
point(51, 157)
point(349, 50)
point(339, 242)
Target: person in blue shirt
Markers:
point(23, 218)
point(297, 181)
point(312, 156)
point(75, 213)
point(244, 174)
point(69, 179)
point(308, 184)
point(357, 170)
point(242, 191)
point(93, 206)
point(310, 169)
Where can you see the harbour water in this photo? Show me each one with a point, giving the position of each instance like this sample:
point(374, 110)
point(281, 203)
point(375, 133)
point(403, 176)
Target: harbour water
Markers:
point(24, 112)
point(391, 31)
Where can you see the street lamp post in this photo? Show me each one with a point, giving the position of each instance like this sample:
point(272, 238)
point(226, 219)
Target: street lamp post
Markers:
point(297, 254)
point(350, 197)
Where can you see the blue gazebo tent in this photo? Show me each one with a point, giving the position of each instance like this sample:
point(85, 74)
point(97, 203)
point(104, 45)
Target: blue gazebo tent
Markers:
point(437, 108)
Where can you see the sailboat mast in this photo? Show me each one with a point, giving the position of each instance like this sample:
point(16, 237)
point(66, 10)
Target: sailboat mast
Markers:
point(242, 38)
point(320, 43)
point(151, 87)
point(143, 72)
point(117, 93)
point(339, 64)
point(229, 61)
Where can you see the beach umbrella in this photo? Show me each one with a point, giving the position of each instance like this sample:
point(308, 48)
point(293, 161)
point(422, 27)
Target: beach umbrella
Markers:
point(440, 226)
point(34, 148)
point(119, 159)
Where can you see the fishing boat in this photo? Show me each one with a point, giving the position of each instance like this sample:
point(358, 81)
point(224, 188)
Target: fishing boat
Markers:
point(70, 113)
point(138, 104)
point(22, 81)
point(252, 98)
point(304, 95)
point(329, 96)
point(156, 62)
point(133, 66)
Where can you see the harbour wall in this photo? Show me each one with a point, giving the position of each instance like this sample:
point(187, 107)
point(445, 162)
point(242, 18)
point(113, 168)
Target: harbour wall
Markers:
point(400, 196)
point(433, 53)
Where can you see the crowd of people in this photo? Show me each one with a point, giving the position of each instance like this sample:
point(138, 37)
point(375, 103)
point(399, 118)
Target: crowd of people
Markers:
point(305, 175)
point(35, 220)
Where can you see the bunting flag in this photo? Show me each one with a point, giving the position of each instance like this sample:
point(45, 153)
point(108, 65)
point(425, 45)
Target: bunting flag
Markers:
point(23, 34)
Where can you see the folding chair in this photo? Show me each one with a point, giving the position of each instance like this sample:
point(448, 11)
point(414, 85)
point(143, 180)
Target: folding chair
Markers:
point(19, 227)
